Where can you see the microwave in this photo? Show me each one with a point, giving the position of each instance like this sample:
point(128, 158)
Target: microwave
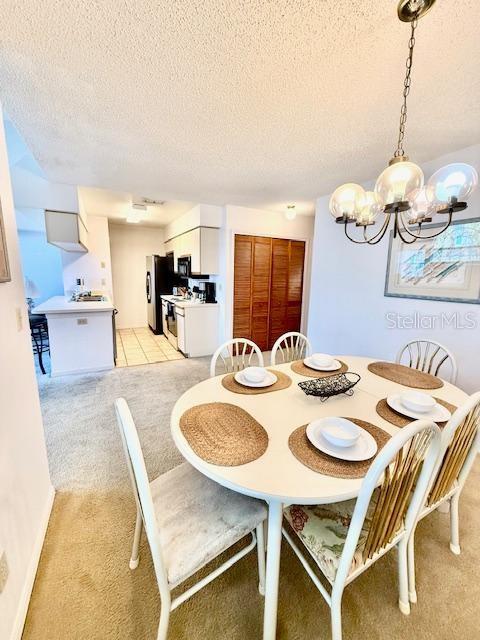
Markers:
point(184, 267)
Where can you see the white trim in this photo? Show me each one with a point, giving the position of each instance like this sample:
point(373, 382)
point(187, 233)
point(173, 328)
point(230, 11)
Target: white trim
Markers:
point(24, 601)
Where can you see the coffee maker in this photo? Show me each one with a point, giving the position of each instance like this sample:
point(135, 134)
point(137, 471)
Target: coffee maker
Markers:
point(210, 292)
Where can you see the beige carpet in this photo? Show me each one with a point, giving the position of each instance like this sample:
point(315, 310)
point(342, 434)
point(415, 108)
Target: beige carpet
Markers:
point(85, 591)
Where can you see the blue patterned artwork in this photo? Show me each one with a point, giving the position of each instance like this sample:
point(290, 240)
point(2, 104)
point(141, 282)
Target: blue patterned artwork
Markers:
point(443, 268)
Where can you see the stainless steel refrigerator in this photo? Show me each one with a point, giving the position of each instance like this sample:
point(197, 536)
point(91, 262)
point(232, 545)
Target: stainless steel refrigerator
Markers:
point(159, 281)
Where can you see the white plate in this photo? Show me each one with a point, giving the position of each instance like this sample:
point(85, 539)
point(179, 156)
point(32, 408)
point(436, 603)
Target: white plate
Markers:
point(439, 414)
point(333, 367)
point(270, 379)
point(364, 448)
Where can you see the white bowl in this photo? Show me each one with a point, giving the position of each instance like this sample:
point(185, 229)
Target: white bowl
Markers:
point(340, 432)
point(417, 401)
point(254, 374)
point(321, 359)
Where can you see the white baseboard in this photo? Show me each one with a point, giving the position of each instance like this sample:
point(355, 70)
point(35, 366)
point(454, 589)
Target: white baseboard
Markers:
point(32, 570)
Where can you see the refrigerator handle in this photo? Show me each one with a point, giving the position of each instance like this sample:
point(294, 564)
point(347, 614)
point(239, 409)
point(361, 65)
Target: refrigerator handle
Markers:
point(147, 286)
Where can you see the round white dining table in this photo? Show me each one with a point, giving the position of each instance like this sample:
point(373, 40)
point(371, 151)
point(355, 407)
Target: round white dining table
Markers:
point(277, 476)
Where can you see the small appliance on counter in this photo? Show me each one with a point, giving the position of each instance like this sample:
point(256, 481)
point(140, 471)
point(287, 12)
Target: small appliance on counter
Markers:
point(210, 292)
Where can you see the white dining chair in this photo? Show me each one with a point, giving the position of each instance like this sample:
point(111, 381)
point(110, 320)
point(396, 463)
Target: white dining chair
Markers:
point(291, 346)
point(428, 356)
point(236, 354)
point(459, 448)
point(189, 520)
point(346, 538)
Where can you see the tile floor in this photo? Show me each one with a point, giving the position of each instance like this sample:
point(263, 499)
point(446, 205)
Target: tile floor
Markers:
point(141, 346)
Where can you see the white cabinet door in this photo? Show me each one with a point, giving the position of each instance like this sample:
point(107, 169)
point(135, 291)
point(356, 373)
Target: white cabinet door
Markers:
point(209, 251)
point(181, 334)
point(193, 243)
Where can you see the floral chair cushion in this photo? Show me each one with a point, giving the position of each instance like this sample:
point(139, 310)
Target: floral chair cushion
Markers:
point(323, 530)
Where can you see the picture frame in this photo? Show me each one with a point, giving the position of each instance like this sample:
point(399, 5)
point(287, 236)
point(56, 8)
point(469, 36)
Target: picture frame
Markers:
point(445, 268)
point(5, 275)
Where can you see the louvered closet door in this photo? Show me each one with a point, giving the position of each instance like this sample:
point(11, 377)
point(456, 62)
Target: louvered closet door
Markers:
point(268, 283)
point(279, 290)
point(295, 285)
point(261, 269)
point(242, 291)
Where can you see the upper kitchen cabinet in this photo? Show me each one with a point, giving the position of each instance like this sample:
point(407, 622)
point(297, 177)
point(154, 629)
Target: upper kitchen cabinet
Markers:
point(201, 244)
point(66, 231)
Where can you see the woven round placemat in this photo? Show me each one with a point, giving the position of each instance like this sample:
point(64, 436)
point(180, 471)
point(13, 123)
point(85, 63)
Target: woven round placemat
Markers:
point(405, 375)
point(283, 382)
point(303, 370)
point(399, 420)
point(223, 434)
point(316, 460)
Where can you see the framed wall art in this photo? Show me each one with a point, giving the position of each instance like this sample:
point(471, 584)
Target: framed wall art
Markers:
point(444, 268)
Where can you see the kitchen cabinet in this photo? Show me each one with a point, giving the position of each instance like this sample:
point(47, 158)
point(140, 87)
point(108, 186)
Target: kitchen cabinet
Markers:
point(202, 245)
point(197, 328)
point(268, 287)
point(66, 231)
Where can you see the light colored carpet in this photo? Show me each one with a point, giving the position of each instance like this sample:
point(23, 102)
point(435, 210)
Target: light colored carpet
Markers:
point(85, 590)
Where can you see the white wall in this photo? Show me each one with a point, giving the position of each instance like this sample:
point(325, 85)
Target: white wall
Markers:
point(348, 308)
point(243, 220)
point(25, 490)
point(95, 266)
point(129, 245)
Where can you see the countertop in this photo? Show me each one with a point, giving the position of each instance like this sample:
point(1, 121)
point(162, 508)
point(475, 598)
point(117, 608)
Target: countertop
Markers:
point(61, 304)
point(188, 303)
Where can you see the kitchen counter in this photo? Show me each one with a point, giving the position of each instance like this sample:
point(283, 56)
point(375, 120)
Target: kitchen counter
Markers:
point(183, 304)
point(81, 335)
point(62, 304)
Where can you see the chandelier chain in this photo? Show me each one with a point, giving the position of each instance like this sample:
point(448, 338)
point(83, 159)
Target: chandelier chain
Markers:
point(400, 152)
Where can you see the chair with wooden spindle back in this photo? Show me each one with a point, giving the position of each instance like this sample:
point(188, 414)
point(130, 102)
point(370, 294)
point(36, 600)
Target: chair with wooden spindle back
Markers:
point(345, 538)
point(291, 346)
point(460, 445)
point(428, 356)
point(236, 355)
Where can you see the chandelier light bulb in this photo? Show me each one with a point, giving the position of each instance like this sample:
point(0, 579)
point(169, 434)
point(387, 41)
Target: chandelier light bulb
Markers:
point(347, 201)
point(370, 210)
point(397, 182)
point(290, 213)
point(421, 207)
point(452, 183)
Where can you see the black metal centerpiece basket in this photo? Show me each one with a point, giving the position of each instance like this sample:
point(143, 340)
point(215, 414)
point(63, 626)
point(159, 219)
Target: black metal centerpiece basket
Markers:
point(325, 388)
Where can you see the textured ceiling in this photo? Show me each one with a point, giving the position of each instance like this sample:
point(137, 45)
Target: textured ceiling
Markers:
point(251, 102)
point(117, 206)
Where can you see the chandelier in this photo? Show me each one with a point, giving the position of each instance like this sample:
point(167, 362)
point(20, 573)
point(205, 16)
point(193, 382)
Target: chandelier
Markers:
point(400, 192)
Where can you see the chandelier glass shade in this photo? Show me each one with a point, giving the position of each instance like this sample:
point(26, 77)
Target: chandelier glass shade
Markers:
point(401, 193)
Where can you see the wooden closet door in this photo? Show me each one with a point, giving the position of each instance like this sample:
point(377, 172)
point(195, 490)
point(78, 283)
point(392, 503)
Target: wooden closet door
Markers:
point(295, 285)
point(261, 270)
point(268, 284)
point(279, 290)
point(242, 287)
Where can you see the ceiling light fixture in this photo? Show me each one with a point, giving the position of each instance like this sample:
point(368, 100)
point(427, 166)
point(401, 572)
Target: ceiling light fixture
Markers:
point(290, 213)
point(400, 192)
point(137, 213)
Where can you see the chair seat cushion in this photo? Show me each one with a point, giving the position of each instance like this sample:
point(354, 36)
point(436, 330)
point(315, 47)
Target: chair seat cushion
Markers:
point(198, 519)
point(323, 530)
